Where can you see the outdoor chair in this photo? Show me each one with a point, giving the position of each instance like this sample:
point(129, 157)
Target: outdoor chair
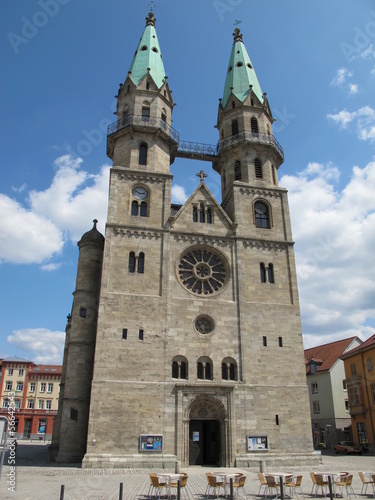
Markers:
point(345, 482)
point(263, 483)
point(314, 485)
point(293, 483)
point(183, 484)
point(238, 484)
point(365, 482)
point(271, 485)
point(156, 487)
point(373, 483)
point(213, 484)
point(322, 484)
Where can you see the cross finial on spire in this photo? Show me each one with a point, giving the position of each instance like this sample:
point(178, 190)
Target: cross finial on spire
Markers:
point(236, 22)
point(152, 6)
point(202, 175)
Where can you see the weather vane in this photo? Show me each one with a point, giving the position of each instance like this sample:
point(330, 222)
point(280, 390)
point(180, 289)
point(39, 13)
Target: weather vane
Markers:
point(152, 6)
point(237, 22)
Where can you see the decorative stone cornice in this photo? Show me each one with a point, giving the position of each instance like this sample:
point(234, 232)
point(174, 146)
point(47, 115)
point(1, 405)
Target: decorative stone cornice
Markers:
point(264, 193)
point(202, 240)
point(136, 233)
point(142, 177)
point(267, 245)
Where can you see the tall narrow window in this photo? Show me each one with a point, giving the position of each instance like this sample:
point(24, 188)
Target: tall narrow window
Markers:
point(141, 263)
point(224, 371)
point(143, 154)
point(143, 211)
point(174, 369)
point(140, 334)
point(258, 169)
point(146, 114)
point(134, 208)
point(208, 375)
point(262, 219)
point(237, 171)
point(148, 86)
point(262, 272)
point(264, 341)
point(124, 333)
point(131, 262)
point(163, 120)
point(254, 126)
point(273, 171)
point(234, 127)
point(232, 371)
point(200, 371)
point(195, 214)
point(271, 275)
point(202, 217)
point(183, 370)
point(209, 216)
point(280, 341)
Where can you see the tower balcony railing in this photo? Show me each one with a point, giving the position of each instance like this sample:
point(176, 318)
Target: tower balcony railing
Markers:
point(251, 137)
point(144, 121)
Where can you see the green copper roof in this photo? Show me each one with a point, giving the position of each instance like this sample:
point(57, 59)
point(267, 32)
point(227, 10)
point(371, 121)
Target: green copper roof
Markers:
point(240, 73)
point(148, 55)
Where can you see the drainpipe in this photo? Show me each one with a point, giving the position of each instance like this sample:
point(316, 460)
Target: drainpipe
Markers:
point(368, 399)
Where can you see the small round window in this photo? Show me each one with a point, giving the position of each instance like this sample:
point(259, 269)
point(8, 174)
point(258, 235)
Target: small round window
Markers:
point(204, 324)
point(154, 49)
point(144, 47)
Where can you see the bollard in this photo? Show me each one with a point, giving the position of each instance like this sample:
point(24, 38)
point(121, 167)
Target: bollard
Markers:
point(330, 487)
point(231, 488)
point(120, 492)
point(281, 488)
point(178, 490)
point(62, 491)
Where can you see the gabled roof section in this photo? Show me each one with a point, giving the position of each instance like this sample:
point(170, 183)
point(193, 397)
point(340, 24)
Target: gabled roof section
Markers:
point(240, 74)
point(365, 346)
point(325, 356)
point(148, 56)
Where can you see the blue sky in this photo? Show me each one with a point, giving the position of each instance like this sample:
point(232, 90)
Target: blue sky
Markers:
point(62, 64)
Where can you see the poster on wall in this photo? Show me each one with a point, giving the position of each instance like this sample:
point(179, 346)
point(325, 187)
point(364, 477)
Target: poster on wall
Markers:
point(151, 442)
point(257, 443)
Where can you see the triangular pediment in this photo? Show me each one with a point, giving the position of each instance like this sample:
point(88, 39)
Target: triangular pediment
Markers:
point(202, 214)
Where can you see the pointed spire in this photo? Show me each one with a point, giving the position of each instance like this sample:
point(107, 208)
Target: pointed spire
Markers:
point(241, 74)
point(148, 58)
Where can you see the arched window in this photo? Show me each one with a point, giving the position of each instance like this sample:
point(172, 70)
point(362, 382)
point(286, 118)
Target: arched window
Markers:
point(271, 275)
point(202, 216)
point(200, 371)
point(179, 368)
point(232, 372)
point(141, 263)
point(224, 371)
point(233, 104)
point(234, 127)
point(208, 374)
point(204, 369)
point(229, 369)
point(143, 211)
point(209, 216)
point(254, 126)
point(145, 114)
point(174, 369)
point(195, 214)
point(131, 262)
point(183, 370)
point(134, 208)
point(237, 170)
point(143, 154)
point(262, 272)
point(262, 218)
point(148, 86)
point(258, 169)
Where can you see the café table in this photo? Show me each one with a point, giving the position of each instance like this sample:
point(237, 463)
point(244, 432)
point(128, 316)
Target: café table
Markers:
point(335, 477)
point(225, 477)
point(168, 479)
point(284, 476)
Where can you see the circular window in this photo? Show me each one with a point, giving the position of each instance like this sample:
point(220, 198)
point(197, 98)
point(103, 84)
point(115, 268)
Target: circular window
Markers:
point(204, 324)
point(203, 271)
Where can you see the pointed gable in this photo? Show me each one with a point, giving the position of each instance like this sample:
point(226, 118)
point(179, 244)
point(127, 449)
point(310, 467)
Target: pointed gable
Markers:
point(323, 357)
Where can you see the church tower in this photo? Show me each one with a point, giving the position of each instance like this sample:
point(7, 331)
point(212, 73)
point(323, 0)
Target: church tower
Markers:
point(198, 355)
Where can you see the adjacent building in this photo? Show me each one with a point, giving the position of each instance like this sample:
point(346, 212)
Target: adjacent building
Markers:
point(360, 382)
point(184, 344)
point(329, 405)
point(31, 393)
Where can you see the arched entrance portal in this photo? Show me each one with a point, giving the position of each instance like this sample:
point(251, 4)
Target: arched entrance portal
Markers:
point(207, 443)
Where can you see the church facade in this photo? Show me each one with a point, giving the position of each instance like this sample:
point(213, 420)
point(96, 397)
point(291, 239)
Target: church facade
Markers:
point(184, 345)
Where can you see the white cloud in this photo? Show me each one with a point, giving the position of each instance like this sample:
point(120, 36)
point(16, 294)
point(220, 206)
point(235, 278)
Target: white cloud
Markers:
point(36, 232)
point(368, 53)
point(44, 346)
point(342, 75)
point(334, 232)
point(364, 118)
point(178, 194)
point(353, 88)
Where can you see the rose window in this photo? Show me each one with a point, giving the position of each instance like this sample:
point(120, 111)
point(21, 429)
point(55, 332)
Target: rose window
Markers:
point(202, 271)
point(204, 324)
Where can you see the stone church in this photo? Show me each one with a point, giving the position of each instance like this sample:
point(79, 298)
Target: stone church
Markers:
point(184, 345)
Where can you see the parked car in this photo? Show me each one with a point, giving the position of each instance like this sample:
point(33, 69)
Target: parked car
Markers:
point(348, 447)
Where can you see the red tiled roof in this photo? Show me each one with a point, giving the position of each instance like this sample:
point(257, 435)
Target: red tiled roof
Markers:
point(327, 354)
point(367, 344)
point(46, 370)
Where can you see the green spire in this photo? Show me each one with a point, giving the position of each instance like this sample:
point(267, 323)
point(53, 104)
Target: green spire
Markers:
point(148, 56)
point(241, 73)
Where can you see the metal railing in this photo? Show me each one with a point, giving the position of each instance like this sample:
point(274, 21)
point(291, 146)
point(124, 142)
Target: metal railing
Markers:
point(144, 121)
point(251, 137)
point(197, 148)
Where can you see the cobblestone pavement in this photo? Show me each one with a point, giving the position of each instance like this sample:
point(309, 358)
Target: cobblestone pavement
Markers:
point(35, 479)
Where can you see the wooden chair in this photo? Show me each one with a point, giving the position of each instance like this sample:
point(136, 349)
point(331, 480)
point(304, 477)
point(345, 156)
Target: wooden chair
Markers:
point(156, 487)
point(263, 483)
point(183, 484)
point(314, 485)
point(213, 483)
point(320, 483)
point(373, 483)
point(239, 483)
point(271, 485)
point(293, 483)
point(365, 483)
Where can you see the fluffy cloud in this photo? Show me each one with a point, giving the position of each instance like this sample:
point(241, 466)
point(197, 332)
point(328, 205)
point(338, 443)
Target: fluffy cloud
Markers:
point(335, 236)
point(363, 117)
point(178, 194)
point(36, 232)
point(341, 80)
point(39, 344)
